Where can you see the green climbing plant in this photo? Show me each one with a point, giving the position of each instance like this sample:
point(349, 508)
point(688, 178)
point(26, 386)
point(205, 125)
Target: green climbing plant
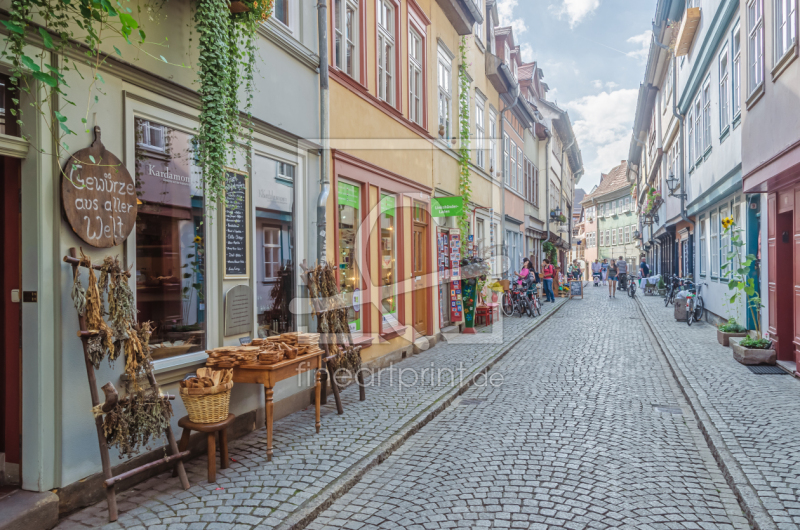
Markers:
point(464, 184)
point(63, 30)
point(226, 63)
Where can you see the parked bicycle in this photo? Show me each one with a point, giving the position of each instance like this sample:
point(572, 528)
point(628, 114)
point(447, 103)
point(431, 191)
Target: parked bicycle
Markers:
point(672, 289)
point(695, 307)
point(632, 280)
point(533, 296)
point(515, 300)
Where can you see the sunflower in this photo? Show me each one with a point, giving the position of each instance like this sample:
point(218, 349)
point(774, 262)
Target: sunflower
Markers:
point(727, 222)
point(198, 239)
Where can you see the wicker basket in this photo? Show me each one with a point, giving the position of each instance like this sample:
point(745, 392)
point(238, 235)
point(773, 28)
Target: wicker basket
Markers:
point(506, 284)
point(207, 405)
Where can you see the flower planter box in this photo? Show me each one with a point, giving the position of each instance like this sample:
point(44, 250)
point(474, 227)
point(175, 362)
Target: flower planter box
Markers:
point(724, 338)
point(662, 292)
point(752, 356)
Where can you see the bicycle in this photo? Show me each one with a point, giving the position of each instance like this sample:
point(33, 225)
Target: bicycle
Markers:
point(674, 283)
point(632, 286)
point(533, 297)
point(695, 306)
point(515, 301)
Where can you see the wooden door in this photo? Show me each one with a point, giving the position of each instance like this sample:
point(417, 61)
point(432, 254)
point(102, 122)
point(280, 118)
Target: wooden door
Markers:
point(420, 278)
point(10, 316)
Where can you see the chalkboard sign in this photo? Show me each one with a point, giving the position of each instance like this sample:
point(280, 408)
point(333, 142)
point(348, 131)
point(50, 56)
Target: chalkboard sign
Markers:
point(575, 288)
point(236, 226)
point(99, 196)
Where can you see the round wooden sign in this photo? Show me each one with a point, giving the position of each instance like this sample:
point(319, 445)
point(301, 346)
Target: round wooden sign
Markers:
point(98, 196)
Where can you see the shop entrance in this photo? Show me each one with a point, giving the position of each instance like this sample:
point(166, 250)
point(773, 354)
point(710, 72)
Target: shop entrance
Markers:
point(784, 262)
point(10, 323)
point(420, 260)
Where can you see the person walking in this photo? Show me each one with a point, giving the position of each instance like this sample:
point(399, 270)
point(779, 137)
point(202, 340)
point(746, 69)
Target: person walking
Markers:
point(596, 271)
point(622, 272)
point(604, 271)
point(575, 270)
point(644, 272)
point(548, 272)
point(612, 279)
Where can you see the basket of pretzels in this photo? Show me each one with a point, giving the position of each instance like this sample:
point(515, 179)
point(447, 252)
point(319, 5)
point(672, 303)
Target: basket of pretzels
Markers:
point(207, 396)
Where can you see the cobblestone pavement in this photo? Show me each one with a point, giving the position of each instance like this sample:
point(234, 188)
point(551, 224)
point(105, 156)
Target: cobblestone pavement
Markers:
point(257, 493)
point(754, 415)
point(587, 430)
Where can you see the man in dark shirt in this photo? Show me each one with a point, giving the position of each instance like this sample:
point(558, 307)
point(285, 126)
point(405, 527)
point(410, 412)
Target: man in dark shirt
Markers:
point(644, 269)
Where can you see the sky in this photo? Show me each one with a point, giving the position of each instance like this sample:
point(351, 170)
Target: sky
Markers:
point(593, 54)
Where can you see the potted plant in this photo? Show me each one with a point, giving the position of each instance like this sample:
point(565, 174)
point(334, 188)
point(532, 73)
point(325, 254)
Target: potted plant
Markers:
point(730, 329)
point(662, 287)
point(750, 349)
point(562, 218)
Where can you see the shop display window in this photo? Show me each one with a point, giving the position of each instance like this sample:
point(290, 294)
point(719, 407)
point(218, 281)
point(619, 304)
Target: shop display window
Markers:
point(170, 240)
point(388, 263)
point(348, 220)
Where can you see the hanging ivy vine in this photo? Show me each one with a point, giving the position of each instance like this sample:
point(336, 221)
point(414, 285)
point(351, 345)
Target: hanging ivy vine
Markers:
point(464, 184)
point(226, 64)
point(65, 28)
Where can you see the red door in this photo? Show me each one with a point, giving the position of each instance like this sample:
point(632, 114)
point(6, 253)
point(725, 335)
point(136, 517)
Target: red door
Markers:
point(10, 316)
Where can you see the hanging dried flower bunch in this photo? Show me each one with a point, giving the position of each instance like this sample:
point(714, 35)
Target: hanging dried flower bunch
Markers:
point(144, 413)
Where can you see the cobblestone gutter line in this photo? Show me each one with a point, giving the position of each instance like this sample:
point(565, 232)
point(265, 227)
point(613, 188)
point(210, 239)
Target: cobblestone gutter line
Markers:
point(754, 510)
point(309, 510)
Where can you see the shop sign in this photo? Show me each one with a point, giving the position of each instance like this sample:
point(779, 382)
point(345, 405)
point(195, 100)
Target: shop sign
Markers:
point(348, 195)
point(271, 191)
point(238, 310)
point(447, 206)
point(168, 177)
point(387, 205)
point(236, 226)
point(98, 196)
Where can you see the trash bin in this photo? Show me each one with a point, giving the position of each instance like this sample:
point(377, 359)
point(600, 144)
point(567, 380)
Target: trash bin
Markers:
point(680, 307)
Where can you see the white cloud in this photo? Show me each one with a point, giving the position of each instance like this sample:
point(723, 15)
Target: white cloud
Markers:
point(611, 85)
point(643, 42)
point(597, 84)
point(602, 124)
point(505, 8)
point(526, 51)
point(574, 10)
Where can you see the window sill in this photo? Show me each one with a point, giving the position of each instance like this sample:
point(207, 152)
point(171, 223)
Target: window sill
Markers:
point(787, 59)
point(707, 152)
point(363, 341)
point(725, 133)
point(163, 368)
point(393, 332)
point(480, 45)
point(737, 119)
point(753, 98)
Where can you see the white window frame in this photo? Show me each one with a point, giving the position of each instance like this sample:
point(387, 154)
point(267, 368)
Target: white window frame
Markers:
point(506, 159)
point(613, 237)
point(715, 226)
point(444, 71)
point(724, 99)
point(292, 15)
point(348, 40)
point(520, 170)
point(724, 243)
point(271, 246)
point(512, 183)
point(479, 27)
point(492, 140)
point(620, 234)
point(736, 71)
point(698, 128)
point(385, 55)
point(416, 102)
point(690, 138)
point(701, 249)
point(755, 44)
point(480, 131)
point(785, 27)
point(146, 134)
point(627, 234)
point(706, 114)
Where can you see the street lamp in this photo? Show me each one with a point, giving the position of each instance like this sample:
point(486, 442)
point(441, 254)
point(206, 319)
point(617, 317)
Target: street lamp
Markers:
point(672, 184)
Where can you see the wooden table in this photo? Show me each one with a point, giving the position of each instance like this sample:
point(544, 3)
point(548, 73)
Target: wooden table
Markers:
point(271, 374)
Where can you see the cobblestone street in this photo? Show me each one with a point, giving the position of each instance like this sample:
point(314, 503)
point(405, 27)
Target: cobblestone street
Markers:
point(593, 421)
point(587, 430)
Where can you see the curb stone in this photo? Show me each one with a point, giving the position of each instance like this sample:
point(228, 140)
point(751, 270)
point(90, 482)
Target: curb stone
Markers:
point(737, 480)
point(309, 510)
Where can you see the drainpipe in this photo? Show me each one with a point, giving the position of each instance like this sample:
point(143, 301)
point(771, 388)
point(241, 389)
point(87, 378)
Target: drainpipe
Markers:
point(678, 115)
point(324, 97)
point(561, 191)
point(503, 182)
point(547, 185)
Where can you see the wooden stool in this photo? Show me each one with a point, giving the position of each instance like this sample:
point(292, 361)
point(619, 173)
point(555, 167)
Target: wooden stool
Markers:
point(483, 314)
point(210, 429)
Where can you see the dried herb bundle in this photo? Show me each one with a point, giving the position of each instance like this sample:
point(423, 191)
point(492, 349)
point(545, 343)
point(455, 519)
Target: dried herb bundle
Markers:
point(94, 311)
point(138, 418)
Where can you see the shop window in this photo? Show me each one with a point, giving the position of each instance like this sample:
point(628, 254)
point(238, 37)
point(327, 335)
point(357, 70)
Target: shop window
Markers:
point(349, 216)
point(170, 241)
point(273, 198)
point(388, 264)
point(8, 119)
